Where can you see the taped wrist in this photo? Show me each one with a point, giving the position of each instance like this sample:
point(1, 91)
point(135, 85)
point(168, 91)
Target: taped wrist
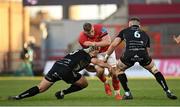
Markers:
point(106, 57)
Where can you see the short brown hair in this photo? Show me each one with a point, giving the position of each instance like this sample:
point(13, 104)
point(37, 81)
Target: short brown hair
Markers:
point(87, 27)
point(134, 19)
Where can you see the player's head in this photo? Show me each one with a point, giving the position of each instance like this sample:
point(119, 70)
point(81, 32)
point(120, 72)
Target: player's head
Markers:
point(88, 29)
point(134, 21)
point(92, 50)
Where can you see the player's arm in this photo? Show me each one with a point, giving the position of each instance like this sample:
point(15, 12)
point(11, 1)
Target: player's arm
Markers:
point(148, 45)
point(100, 63)
point(106, 41)
point(112, 47)
point(82, 40)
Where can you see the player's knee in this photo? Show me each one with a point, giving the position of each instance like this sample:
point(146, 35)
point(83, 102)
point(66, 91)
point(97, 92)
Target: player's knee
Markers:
point(114, 72)
point(85, 85)
point(153, 69)
point(82, 82)
point(42, 89)
point(99, 70)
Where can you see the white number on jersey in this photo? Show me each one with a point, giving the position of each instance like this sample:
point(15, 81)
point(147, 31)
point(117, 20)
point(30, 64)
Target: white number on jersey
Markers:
point(136, 34)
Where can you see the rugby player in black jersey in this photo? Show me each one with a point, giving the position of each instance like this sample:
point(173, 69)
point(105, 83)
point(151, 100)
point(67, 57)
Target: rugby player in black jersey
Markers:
point(136, 50)
point(67, 70)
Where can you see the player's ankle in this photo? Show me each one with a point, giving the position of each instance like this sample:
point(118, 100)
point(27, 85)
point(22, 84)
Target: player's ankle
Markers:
point(127, 93)
point(106, 82)
point(116, 92)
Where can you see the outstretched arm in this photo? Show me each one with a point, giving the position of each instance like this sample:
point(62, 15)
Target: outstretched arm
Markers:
point(106, 40)
point(112, 47)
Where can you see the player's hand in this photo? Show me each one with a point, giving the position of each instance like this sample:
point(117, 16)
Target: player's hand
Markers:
point(92, 44)
point(176, 39)
point(106, 58)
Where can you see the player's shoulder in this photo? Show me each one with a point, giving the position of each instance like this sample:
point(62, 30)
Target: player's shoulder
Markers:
point(82, 35)
point(98, 26)
point(143, 32)
point(124, 30)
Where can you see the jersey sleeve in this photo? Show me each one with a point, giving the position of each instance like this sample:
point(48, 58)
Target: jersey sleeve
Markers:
point(100, 30)
point(82, 39)
point(148, 42)
point(121, 35)
point(103, 32)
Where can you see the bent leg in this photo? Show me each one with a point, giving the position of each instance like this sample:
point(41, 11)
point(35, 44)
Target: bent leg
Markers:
point(100, 73)
point(77, 86)
point(121, 67)
point(160, 79)
point(157, 74)
point(102, 77)
point(44, 85)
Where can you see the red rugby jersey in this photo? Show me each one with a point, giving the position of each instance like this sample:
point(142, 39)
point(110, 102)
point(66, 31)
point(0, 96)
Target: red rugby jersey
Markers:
point(100, 32)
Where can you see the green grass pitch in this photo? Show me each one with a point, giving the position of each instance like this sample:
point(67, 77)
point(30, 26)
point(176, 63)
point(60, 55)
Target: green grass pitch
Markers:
point(146, 92)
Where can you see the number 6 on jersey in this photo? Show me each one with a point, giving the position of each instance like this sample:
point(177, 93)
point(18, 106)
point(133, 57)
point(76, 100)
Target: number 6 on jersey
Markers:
point(136, 34)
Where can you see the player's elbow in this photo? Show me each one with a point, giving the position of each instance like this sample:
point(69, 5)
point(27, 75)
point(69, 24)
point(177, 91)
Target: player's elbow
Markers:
point(113, 45)
point(108, 42)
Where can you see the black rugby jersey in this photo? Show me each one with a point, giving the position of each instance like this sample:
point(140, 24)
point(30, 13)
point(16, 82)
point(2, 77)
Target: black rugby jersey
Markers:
point(76, 60)
point(135, 38)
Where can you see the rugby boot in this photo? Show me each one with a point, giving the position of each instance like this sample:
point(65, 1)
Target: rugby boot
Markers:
point(170, 95)
point(59, 95)
point(127, 96)
point(13, 98)
point(118, 97)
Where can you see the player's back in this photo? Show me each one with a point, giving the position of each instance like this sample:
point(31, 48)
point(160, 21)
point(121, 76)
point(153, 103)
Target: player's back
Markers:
point(135, 39)
point(76, 60)
point(137, 42)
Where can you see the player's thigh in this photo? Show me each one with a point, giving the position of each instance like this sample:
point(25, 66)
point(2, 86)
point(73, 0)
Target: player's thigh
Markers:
point(91, 68)
point(111, 60)
point(121, 67)
point(44, 85)
point(82, 82)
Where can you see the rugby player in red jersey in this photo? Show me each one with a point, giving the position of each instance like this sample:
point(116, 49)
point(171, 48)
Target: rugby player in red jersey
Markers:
point(97, 35)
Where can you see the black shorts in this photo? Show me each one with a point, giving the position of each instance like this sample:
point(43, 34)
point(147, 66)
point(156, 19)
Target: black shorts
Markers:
point(142, 57)
point(61, 72)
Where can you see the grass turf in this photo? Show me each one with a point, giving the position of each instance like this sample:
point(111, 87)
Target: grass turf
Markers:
point(146, 92)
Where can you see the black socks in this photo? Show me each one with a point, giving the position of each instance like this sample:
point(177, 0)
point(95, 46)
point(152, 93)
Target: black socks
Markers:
point(160, 79)
point(123, 80)
point(72, 88)
point(28, 93)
